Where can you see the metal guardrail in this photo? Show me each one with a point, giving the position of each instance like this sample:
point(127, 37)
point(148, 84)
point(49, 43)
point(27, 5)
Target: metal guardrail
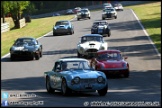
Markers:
point(5, 27)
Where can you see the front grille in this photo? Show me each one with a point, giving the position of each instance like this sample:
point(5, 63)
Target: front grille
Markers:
point(22, 52)
point(90, 80)
point(92, 50)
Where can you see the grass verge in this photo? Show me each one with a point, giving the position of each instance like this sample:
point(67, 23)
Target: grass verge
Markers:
point(36, 28)
point(150, 16)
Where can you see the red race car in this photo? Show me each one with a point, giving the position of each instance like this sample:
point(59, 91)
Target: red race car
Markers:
point(111, 62)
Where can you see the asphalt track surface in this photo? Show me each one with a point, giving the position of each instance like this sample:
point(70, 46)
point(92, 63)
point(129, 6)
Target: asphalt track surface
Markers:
point(143, 87)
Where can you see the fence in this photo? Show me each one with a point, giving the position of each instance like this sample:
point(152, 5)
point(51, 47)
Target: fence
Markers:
point(22, 23)
point(5, 27)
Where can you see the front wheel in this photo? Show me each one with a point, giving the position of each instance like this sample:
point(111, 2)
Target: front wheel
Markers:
point(48, 86)
point(12, 58)
point(126, 75)
point(79, 55)
point(103, 91)
point(109, 33)
point(64, 88)
point(37, 56)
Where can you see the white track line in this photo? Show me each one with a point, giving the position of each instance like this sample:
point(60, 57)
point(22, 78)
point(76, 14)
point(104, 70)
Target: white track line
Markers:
point(37, 39)
point(146, 34)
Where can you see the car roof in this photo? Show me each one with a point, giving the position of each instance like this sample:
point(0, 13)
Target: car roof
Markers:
point(100, 21)
point(26, 38)
point(93, 35)
point(72, 59)
point(63, 20)
point(85, 9)
point(108, 51)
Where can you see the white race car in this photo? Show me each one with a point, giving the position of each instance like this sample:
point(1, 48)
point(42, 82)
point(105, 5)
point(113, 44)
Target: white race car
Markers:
point(118, 6)
point(90, 44)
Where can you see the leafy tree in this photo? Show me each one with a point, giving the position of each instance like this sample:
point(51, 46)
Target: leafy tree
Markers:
point(16, 10)
point(5, 9)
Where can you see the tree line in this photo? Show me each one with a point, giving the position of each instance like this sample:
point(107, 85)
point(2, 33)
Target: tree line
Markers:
point(19, 9)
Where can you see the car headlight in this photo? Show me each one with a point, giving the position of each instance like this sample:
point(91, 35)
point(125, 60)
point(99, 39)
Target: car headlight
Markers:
point(102, 48)
point(78, 13)
point(104, 13)
point(100, 79)
point(54, 28)
point(102, 66)
point(81, 48)
point(76, 80)
point(124, 65)
point(11, 51)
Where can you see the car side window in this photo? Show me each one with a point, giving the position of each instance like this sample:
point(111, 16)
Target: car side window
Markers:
point(57, 67)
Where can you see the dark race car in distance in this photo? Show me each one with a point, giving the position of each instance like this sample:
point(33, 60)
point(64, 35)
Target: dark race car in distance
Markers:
point(101, 27)
point(26, 47)
point(63, 27)
point(109, 13)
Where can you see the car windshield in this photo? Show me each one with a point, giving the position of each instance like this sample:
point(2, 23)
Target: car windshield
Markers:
point(75, 65)
point(91, 38)
point(99, 23)
point(84, 11)
point(108, 10)
point(25, 41)
point(109, 56)
point(62, 23)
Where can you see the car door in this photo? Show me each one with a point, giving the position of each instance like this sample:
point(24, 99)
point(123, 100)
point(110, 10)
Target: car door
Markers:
point(53, 76)
point(57, 75)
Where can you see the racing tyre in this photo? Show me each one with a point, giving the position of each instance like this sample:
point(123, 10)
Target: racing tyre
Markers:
point(48, 86)
point(79, 55)
point(64, 88)
point(103, 18)
point(103, 91)
point(78, 19)
point(41, 54)
point(12, 58)
point(109, 33)
point(115, 17)
point(37, 56)
point(89, 17)
point(71, 32)
point(126, 75)
point(32, 57)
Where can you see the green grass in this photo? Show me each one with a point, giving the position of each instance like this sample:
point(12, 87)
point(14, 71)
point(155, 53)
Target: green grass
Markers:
point(36, 28)
point(150, 17)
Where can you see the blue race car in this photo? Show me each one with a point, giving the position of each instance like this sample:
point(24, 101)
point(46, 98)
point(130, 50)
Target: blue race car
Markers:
point(75, 75)
point(63, 27)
